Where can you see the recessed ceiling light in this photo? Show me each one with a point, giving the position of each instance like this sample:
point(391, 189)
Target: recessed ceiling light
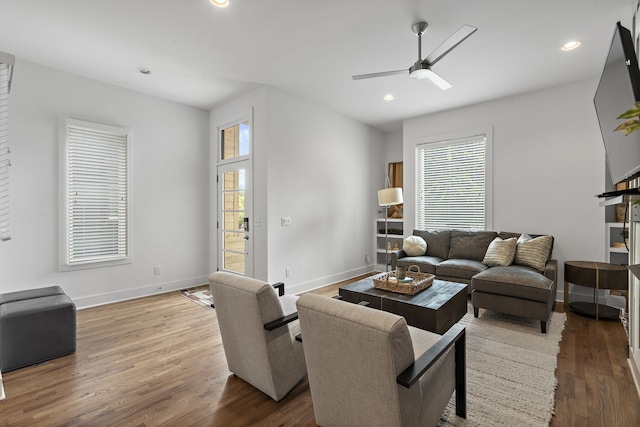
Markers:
point(388, 97)
point(143, 70)
point(570, 45)
point(220, 3)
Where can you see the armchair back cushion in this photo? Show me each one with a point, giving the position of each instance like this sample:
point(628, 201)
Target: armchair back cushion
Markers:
point(354, 355)
point(271, 361)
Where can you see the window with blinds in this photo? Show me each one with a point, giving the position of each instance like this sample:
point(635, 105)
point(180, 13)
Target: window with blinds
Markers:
point(451, 184)
point(96, 194)
point(6, 70)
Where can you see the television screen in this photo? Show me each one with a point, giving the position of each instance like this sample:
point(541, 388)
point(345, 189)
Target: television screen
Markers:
point(618, 90)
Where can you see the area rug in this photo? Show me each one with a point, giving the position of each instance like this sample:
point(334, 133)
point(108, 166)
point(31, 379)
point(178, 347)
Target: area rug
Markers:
point(201, 295)
point(511, 368)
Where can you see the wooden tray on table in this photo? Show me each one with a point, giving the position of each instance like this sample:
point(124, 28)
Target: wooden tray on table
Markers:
point(414, 281)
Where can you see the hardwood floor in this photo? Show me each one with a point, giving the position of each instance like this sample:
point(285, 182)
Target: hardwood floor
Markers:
point(159, 361)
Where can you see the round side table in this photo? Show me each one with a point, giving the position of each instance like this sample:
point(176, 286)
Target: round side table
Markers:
point(596, 275)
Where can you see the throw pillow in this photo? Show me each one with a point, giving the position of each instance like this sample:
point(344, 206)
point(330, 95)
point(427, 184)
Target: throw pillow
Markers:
point(523, 238)
point(500, 252)
point(533, 253)
point(414, 246)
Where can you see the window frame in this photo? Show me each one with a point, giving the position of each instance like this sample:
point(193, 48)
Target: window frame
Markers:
point(453, 138)
point(240, 119)
point(65, 265)
point(8, 62)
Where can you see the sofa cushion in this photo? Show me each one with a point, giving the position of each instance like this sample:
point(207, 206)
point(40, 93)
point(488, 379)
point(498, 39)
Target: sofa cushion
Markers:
point(500, 252)
point(533, 253)
point(414, 246)
point(470, 244)
point(514, 280)
point(460, 268)
point(426, 263)
point(437, 242)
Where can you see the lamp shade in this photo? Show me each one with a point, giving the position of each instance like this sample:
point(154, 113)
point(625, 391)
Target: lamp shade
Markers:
point(390, 196)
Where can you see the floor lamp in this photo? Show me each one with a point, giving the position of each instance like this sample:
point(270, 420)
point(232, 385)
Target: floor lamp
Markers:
point(388, 197)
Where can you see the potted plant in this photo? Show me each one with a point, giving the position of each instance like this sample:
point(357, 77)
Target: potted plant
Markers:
point(633, 122)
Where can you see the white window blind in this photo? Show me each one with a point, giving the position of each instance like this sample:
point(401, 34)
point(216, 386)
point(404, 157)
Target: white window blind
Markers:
point(451, 184)
point(6, 70)
point(97, 193)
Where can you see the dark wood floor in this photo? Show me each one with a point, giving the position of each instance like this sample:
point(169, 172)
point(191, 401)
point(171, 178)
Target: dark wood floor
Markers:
point(159, 361)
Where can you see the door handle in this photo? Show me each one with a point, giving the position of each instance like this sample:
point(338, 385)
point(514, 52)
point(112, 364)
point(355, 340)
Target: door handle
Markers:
point(246, 237)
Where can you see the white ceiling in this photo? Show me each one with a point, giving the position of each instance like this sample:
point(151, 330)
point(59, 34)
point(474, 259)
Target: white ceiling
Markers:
point(201, 55)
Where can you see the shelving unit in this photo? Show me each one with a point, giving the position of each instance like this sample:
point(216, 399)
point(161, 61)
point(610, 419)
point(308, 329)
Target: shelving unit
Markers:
point(396, 236)
point(616, 254)
point(633, 260)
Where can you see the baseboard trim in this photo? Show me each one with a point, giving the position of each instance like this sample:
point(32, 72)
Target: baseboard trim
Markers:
point(327, 280)
point(133, 293)
point(635, 372)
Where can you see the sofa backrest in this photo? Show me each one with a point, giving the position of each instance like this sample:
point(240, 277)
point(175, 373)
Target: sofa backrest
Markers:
point(470, 244)
point(464, 244)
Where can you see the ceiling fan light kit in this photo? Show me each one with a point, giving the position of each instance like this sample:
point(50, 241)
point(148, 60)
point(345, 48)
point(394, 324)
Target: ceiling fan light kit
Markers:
point(422, 68)
point(220, 3)
point(419, 74)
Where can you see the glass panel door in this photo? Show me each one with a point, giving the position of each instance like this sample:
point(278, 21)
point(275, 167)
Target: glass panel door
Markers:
point(234, 232)
point(234, 197)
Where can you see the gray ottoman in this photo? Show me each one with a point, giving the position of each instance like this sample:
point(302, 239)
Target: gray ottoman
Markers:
point(35, 326)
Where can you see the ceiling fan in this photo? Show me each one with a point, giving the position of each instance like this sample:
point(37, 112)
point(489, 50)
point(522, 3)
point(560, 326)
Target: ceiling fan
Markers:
point(422, 68)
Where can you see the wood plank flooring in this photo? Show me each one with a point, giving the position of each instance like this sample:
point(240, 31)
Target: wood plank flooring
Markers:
point(159, 361)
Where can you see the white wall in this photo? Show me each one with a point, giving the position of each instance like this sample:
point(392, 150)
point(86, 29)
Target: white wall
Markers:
point(169, 202)
point(393, 147)
point(318, 168)
point(324, 171)
point(547, 166)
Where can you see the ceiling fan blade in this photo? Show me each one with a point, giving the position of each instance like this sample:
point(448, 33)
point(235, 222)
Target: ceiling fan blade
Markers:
point(384, 73)
point(437, 80)
point(446, 47)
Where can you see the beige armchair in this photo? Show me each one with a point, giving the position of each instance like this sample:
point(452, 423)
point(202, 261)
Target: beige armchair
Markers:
point(258, 331)
point(368, 368)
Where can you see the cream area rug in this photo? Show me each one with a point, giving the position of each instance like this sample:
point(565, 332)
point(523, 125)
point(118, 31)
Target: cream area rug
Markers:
point(511, 368)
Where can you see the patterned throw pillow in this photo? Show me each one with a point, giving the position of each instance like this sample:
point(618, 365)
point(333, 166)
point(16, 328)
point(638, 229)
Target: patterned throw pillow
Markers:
point(414, 246)
point(533, 253)
point(500, 252)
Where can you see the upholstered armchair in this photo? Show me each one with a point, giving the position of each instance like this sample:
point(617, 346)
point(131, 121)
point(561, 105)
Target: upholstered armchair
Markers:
point(366, 367)
point(258, 331)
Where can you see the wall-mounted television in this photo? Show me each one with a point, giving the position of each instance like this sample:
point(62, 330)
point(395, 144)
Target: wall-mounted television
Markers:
point(618, 90)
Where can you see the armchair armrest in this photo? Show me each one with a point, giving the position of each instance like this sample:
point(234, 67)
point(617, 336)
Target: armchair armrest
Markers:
point(456, 336)
point(551, 270)
point(280, 287)
point(275, 324)
point(410, 375)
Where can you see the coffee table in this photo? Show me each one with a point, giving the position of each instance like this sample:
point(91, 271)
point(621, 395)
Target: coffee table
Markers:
point(435, 309)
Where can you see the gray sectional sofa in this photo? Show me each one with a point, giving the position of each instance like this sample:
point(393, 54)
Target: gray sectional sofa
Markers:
point(520, 287)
